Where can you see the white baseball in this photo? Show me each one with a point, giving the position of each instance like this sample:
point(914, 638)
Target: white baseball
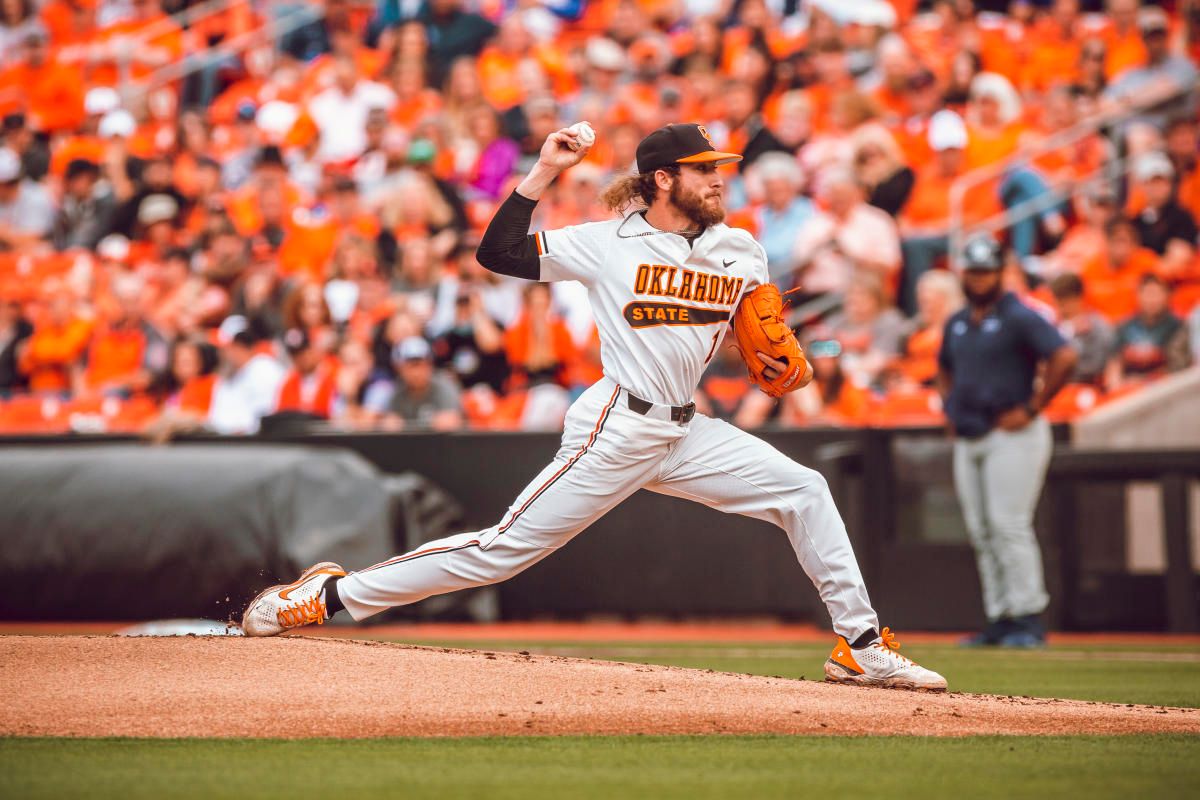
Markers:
point(585, 136)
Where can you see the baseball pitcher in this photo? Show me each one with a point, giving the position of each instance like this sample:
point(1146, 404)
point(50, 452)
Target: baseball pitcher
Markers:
point(664, 280)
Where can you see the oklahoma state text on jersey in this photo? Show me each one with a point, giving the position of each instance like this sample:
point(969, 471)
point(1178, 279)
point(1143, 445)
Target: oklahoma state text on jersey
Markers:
point(660, 302)
point(663, 280)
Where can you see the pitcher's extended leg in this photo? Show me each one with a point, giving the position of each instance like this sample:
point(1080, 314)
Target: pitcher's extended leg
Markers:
point(725, 467)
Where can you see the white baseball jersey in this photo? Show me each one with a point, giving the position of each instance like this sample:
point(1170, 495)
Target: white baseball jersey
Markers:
point(660, 304)
point(661, 307)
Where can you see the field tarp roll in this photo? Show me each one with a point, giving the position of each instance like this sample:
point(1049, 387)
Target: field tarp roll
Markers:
point(135, 532)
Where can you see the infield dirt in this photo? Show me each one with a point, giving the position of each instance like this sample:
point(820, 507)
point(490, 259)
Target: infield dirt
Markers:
point(292, 687)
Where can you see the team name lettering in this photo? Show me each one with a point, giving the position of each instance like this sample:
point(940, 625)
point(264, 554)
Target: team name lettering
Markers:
point(647, 314)
point(661, 280)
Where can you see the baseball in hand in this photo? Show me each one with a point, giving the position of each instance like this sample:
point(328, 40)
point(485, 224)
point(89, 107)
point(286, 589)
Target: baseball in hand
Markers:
point(584, 135)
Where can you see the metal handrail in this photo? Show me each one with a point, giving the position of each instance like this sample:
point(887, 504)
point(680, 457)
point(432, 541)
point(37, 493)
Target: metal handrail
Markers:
point(272, 29)
point(184, 19)
point(1058, 140)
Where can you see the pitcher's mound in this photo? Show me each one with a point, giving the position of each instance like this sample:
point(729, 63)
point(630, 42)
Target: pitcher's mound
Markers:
point(296, 686)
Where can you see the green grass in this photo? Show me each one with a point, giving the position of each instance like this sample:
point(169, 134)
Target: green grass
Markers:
point(1155, 675)
point(691, 768)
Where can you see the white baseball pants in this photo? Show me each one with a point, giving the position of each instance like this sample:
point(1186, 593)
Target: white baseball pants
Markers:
point(999, 478)
point(608, 452)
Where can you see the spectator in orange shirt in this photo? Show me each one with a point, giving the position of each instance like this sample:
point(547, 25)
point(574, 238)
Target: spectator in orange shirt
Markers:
point(939, 295)
point(993, 118)
point(923, 97)
point(837, 401)
point(185, 389)
point(541, 353)
point(1085, 240)
point(925, 219)
point(1079, 159)
point(126, 43)
point(126, 352)
point(888, 83)
point(1055, 40)
point(52, 90)
point(60, 336)
point(310, 386)
point(86, 141)
point(188, 384)
point(1124, 40)
point(1110, 280)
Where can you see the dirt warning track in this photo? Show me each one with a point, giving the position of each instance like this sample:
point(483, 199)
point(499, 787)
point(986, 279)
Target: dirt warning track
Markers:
point(298, 687)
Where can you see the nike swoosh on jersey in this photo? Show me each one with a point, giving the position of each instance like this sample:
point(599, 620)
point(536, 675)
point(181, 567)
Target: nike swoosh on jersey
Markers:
point(727, 264)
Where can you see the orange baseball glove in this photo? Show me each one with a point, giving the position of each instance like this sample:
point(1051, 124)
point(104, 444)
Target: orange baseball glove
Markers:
point(759, 327)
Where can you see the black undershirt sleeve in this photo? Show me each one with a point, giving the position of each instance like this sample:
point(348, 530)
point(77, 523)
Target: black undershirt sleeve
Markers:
point(507, 248)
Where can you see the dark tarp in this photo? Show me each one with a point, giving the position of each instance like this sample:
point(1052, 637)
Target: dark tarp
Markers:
point(135, 532)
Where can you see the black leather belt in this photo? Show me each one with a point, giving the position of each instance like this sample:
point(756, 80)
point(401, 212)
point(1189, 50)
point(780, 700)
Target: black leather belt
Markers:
point(680, 414)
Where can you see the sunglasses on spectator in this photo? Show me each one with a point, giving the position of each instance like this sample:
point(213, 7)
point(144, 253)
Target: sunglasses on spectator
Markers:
point(1093, 55)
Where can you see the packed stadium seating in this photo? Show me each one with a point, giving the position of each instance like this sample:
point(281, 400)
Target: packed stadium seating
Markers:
point(213, 212)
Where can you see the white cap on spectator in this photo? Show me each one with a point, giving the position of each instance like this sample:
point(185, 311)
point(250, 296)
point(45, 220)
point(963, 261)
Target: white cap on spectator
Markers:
point(113, 247)
point(157, 208)
point(947, 131)
point(1153, 165)
point(230, 327)
point(341, 296)
point(604, 53)
point(1153, 18)
point(10, 165)
point(117, 123)
point(101, 100)
point(276, 118)
point(414, 348)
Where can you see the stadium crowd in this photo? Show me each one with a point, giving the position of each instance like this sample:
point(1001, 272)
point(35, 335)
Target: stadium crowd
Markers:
point(192, 235)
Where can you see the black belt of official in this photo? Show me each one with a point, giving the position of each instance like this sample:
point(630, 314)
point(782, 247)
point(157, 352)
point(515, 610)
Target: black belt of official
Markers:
point(681, 414)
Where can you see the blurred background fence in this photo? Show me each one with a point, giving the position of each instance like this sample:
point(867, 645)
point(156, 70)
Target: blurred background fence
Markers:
point(1113, 560)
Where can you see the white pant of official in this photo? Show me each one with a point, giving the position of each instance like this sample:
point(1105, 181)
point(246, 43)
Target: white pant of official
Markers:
point(608, 452)
point(999, 478)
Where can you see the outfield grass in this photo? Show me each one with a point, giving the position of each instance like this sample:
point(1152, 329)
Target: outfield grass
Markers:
point(690, 768)
point(1154, 675)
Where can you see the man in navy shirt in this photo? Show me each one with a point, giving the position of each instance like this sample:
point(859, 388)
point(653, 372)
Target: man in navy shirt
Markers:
point(988, 378)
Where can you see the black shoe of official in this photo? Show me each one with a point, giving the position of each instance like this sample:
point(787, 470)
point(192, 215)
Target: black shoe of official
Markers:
point(1026, 632)
point(991, 636)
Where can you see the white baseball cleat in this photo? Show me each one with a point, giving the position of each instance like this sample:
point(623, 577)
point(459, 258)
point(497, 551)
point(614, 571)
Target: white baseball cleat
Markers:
point(879, 664)
point(281, 608)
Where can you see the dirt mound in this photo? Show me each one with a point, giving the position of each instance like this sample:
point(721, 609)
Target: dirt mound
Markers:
point(297, 686)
